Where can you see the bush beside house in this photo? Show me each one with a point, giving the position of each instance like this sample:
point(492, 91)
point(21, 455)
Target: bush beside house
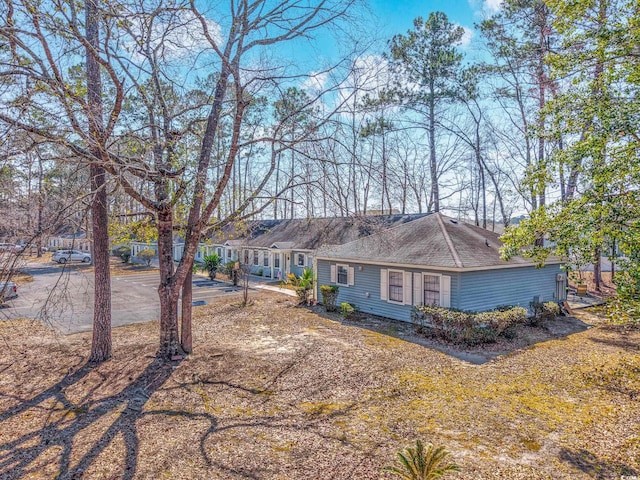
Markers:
point(329, 296)
point(467, 327)
point(146, 256)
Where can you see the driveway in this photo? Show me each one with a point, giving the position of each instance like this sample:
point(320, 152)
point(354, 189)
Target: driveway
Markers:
point(63, 297)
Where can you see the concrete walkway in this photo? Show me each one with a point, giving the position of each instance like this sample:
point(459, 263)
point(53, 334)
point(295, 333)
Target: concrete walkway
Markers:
point(256, 283)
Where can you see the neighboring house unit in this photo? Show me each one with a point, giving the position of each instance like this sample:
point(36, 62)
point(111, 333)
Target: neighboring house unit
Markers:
point(67, 238)
point(275, 248)
point(434, 260)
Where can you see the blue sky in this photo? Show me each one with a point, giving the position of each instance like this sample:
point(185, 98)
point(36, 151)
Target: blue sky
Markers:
point(397, 16)
point(386, 19)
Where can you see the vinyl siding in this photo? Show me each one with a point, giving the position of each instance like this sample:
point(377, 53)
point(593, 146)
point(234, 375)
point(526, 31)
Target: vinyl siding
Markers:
point(477, 291)
point(485, 290)
point(295, 269)
point(365, 291)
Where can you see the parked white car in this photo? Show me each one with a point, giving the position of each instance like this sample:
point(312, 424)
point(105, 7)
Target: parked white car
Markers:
point(64, 256)
point(8, 290)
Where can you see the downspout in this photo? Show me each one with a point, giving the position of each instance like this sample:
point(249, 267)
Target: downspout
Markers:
point(315, 278)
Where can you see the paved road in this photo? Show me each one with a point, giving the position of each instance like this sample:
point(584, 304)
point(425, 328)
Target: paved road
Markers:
point(63, 297)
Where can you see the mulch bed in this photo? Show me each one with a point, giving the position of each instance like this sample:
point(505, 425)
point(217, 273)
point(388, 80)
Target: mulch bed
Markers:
point(273, 391)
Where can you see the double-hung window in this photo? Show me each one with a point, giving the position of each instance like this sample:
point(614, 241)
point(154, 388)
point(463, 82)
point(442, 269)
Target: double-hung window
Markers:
point(342, 272)
point(255, 257)
point(276, 260)
point(265, 260)
point(431, 289)
point(395, 286)
point(301, 259)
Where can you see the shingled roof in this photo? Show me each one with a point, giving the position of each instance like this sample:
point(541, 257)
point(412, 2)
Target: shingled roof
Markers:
point(312, 233)
point(432, 241)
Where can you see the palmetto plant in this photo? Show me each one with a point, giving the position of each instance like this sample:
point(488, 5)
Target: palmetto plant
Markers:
point(210, 264)
point(422, 464)
point(304, 285)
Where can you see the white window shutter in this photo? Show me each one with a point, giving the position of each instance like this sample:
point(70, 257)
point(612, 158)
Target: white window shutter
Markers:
point(333, 274)
point(406, 288)
point(350, 276)
point(417, 289)
point(384, 284)
point(445, 291)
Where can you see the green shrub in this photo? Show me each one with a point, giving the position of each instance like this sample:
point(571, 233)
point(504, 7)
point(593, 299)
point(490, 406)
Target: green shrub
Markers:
point(303, 285)
point(228, 268)
point(210, 264)
point(467, 327)
point(146, 255)
point(348, 310)
point(624, 308)
point(543, 311)
point(329, 297)
point(304, 294)
point(123, 251)
point(422, 463)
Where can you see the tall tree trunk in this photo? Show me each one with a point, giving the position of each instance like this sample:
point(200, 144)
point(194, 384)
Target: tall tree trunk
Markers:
point(597, 269)
point(483, 186)
point(40, 206)
point(167, 291)
point(613, 261)
point(542, 86)
point(293, 173)
point(433, 166)
point(186, 338)
point(101, 342)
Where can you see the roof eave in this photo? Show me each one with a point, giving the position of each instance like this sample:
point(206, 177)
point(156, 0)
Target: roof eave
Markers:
point(419, 266)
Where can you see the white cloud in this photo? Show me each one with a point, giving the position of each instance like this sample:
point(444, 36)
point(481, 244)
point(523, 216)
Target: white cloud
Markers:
point(315, 82)
point(467, 36)
point(492, 6)
point(176, 35)
point(483, 8)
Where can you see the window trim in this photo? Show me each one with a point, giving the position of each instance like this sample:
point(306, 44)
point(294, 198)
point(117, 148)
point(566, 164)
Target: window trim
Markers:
point(346, 268)
point(432, 274)
point(256, 258)
point(304, 260)
point(395, 302)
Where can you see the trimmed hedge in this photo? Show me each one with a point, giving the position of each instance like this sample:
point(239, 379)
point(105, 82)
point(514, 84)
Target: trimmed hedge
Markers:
point(329, 296)
point(467, 327)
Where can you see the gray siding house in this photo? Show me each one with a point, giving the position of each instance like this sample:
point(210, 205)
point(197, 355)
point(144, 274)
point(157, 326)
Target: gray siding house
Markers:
point(275, 248)
point(434, 260)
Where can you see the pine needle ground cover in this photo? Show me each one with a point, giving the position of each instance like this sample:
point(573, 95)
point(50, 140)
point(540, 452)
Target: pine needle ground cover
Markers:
point(274, 391)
